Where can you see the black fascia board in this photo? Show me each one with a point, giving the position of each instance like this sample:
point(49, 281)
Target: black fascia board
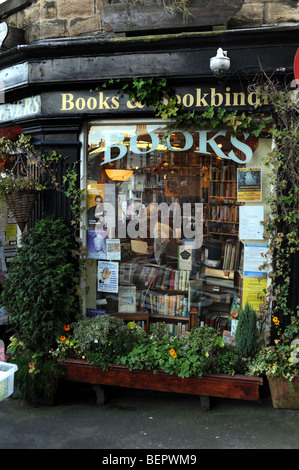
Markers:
point(275, 47)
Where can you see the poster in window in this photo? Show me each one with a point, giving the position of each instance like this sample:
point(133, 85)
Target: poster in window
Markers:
point(249, 184)
point(107, 276)
point(96, 244)
point(95, 200)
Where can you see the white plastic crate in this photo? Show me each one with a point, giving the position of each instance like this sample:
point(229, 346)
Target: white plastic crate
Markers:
point(6, 379)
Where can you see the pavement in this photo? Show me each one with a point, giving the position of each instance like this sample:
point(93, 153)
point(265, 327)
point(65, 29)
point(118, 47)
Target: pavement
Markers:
point(145, 424)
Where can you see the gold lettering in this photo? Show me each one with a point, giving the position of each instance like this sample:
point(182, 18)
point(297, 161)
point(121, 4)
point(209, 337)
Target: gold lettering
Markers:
point(67, 102)
point(218, 96)
point(134, 104)
point(242, 99)
point(115, 102)
point(200, 100)
point(91, 103)
point(188, 100)
point(80, 103)
point(103, 101)
point(227, 97)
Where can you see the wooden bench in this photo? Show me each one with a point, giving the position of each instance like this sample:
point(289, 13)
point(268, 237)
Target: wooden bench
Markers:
point(240, 387)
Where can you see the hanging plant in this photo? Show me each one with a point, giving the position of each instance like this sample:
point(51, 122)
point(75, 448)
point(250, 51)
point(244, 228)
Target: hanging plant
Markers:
point(25, 172)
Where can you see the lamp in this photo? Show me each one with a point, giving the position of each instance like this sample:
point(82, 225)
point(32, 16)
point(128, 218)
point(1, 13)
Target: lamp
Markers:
point(220, 63)
point(119, 175)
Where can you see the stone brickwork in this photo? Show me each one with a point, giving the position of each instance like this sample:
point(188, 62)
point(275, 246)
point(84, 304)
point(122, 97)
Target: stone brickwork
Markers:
point(67, 18)
point(265, 12)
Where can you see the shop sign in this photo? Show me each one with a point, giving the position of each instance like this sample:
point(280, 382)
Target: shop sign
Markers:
point(203, 138)
point(198, 98)
point(27, 107)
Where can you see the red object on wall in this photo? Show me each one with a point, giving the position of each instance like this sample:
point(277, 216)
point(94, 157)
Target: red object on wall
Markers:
point(10, 132)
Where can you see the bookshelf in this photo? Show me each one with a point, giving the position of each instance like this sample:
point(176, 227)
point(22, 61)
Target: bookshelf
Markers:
point(223, 209)
point(161, 294)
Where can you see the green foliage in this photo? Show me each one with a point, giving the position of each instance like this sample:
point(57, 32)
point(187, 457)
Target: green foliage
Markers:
point(38, 375)
point(106, 340)
point(279, 360)
point(246, 336)
point(281, 227)
point(102, 338)
point(41, 291)
point(167, 105)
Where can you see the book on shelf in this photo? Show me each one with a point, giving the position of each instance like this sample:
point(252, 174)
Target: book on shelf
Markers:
point(168, 305)
point(220, 273)
point(231, 256)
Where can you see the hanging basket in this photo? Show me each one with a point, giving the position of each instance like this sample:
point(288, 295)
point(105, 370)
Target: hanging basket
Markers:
point(21, 204)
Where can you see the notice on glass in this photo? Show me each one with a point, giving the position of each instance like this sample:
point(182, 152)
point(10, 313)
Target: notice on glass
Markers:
point(107, 276)
point(254, 258)
point(253, 289)
point(250, 227)
point(249, 184)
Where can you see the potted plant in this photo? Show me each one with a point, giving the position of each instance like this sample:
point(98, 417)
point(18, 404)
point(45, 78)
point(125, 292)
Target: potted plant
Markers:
point(279, 362)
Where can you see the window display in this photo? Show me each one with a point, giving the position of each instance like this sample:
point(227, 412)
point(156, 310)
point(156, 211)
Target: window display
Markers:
point(163, 223)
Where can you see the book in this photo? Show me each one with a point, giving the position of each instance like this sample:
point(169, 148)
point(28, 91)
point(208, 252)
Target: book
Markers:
point(235, 307)
point(185, 257)
point(127, 299)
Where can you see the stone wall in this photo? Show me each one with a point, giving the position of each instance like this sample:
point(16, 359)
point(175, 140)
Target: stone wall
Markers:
point(65, 18)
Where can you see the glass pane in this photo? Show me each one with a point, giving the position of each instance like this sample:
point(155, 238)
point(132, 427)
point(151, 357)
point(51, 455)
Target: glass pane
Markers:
point(163, 224)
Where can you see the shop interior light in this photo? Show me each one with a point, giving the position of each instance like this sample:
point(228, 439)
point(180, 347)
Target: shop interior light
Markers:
point(119, 175)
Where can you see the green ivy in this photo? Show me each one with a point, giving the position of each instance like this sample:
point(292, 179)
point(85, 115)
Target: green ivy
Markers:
point(41, 293)
point(156, 92)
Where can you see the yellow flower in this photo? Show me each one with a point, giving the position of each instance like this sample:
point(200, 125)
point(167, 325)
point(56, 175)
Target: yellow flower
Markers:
point(275, 320)
point(131, 325)
point(171, 351)
point(174, 355)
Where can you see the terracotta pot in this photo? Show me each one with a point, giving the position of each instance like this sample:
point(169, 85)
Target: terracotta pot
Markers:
point(283, 393)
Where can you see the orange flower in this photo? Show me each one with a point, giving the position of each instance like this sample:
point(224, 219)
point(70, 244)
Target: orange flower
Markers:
point(172, 353)
point(62, 338)
point(67, 327)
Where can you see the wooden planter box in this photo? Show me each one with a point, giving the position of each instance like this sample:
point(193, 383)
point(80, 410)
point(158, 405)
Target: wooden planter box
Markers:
point(240, 387)
point(282, 394)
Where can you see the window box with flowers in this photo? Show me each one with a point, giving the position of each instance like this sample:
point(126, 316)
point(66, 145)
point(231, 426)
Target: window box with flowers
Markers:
point(105, 351)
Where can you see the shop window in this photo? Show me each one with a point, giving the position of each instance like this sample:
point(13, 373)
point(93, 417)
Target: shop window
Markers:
point(163, 223)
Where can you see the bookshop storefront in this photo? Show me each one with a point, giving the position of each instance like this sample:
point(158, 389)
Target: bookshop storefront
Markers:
point(173, 218)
